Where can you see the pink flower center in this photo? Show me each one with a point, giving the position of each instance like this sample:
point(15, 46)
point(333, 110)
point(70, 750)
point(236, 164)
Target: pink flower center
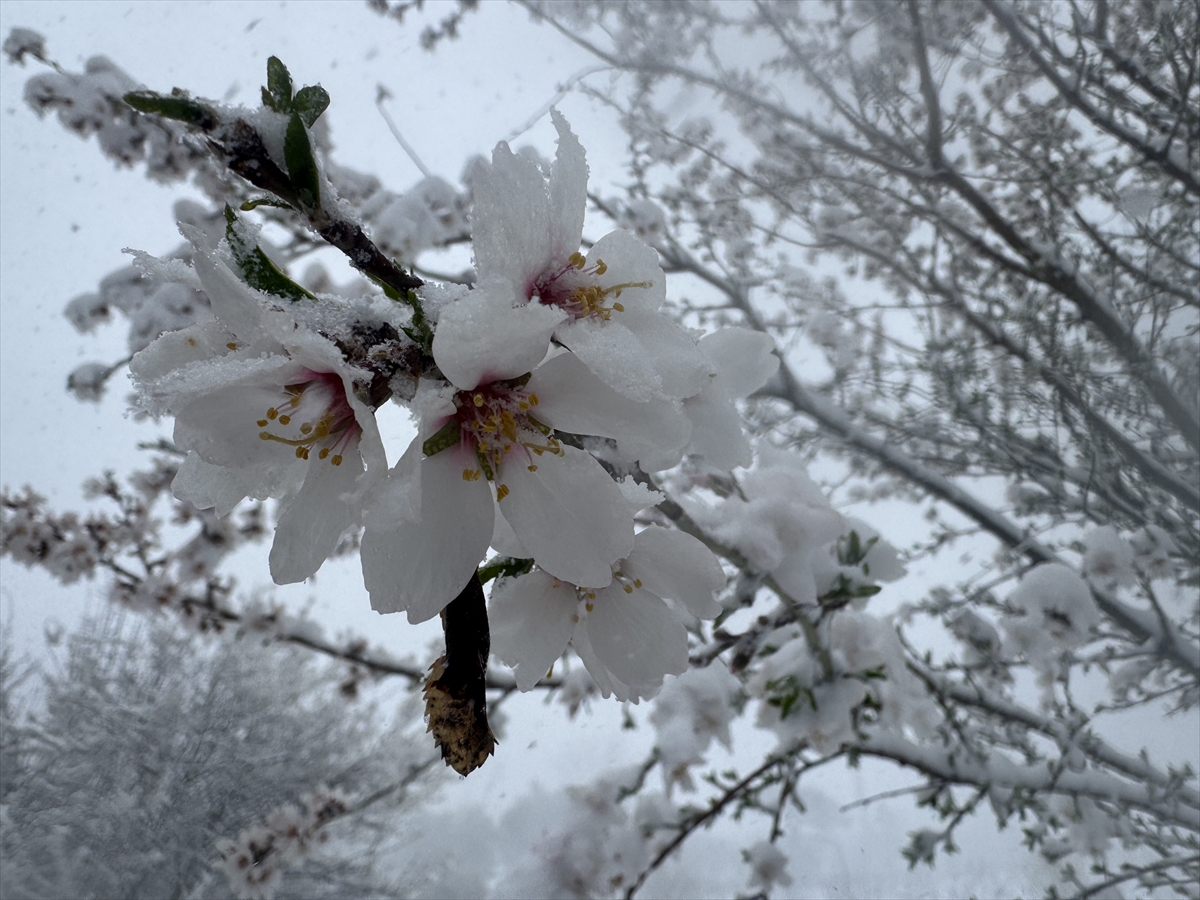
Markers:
point(496, 421)
point(573, 288)
point(314, 414)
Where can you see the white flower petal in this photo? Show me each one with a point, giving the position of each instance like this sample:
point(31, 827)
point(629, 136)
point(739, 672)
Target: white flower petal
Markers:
point(531, 620)
point(421, 564)
point(629, 260)
point(681, 367)
point(512, 229)
point(676, 566)
point(639, 496)
point(234, 303)
point(611, 351)
point(569, 515)
point(717, 433)
point(172, 351)
point(609, 686)
point(313, 521)
point(505, 542)
point(636, 636)
point(568, 191)
point(743, 359)
point(220, 425)
point(220, 489)
point(571, 398)
point(483, 338)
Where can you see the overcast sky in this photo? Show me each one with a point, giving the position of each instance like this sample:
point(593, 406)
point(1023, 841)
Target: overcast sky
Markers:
point(67, 213)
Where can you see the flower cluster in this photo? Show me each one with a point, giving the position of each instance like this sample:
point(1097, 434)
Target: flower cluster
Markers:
point(516, 385)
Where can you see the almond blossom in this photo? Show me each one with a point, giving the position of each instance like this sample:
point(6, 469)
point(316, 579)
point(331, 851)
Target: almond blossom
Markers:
point(264, 408)
point(434, 519)
point(605, 307)
point(628, 637)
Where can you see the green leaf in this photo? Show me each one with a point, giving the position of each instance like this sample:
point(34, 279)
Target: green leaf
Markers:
point(302, 167)
point(447, 436)
point(179, 107)
point(256, 268)
point(784, 693)
point(504, 565)
point(278, 92)
point(310, 102)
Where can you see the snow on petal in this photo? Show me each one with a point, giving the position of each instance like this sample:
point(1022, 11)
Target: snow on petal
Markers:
point(234, 303)
point(171, 352)
point(691, 710)
point(568, 191)
point(782, 526)
point(742, 362)
point(611, 351)
point(1108, 558)
point(483, 338)
point(513, 231)
point(1059, 601)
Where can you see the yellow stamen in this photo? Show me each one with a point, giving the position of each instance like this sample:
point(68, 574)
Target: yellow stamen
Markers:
point(508, 425)
point(629, 588)
point(532, 468)
point(337, 460)
point(262, 423)
point(601, 267)
point(284, 420)
point(501, 492)
point(231, 345)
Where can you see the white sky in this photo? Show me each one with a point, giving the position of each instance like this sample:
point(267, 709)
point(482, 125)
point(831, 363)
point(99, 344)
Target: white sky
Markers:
point(66, 215)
